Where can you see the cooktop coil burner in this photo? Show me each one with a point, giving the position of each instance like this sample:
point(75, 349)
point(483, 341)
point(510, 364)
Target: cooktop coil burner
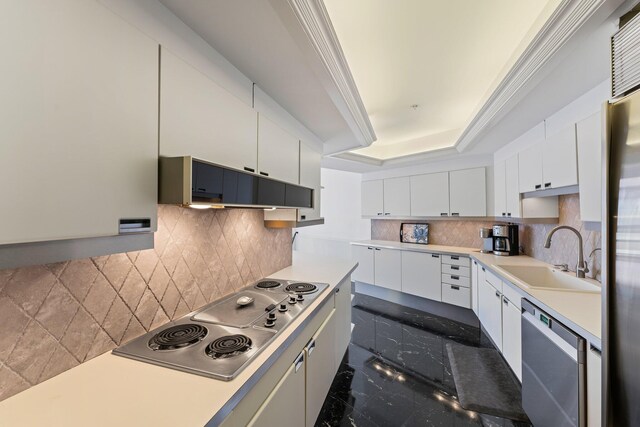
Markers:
point(268, 284)
point(179, 336)
point(228, 346)
point(301, 288)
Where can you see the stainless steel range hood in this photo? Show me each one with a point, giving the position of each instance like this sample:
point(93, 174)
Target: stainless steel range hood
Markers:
point(190, 182)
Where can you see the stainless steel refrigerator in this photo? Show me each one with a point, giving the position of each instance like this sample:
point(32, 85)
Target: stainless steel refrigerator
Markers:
point(621, 267)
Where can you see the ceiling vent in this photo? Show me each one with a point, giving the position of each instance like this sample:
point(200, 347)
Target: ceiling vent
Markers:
point(625, 58)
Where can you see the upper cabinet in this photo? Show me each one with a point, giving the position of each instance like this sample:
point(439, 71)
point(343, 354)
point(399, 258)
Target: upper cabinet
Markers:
point(468, 192)
point(310, 175)
point(560, 159)
point(201, 119)
point(372, 194)
point(499, 188)
point(455, 193)
point(430, 194)
point(589, 137)
point(80, 122)
point(397, 197)
point(551, 163)
point(506, 187)
point(278, 151)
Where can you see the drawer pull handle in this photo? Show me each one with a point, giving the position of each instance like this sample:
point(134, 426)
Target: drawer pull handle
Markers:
point(249, 169)
point(455, 288)
point(508, 213)
point(264, 173)
point(377, 249)
point(455, 277)
point(498, 294)
point(387, 213)
point(483, 269)
point(444, 214)
point(455, 214)
point(435, 256)
point(455, 267)
point(455, 258)
point(538, 186)
point(369, 247)
point(299, 361)
point(505, 301)
point(504, 214)
point(547, 184)
point(379, 213)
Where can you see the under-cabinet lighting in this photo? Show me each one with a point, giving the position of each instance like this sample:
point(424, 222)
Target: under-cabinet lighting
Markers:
point(200, 206)
point(270, 209)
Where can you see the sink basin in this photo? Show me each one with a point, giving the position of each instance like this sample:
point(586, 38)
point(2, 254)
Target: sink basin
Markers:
point(550, 279)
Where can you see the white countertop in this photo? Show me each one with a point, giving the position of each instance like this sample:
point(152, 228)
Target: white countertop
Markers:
point(580, 311)
point(114, 391)
point(453, 250)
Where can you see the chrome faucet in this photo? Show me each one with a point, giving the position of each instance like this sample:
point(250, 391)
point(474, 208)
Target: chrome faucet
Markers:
point(582, 268)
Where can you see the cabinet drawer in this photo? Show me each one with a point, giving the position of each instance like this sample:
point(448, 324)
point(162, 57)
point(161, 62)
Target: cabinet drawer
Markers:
point(462, 261)
point(456, 295)
point(456, 270)
point(512, 295)
point(454, 279)
point(493, 280)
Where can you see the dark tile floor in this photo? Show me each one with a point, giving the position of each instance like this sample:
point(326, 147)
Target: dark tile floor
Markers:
point(396, 371)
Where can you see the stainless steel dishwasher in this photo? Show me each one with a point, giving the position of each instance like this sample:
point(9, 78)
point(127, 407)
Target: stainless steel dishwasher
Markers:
point(553, 371)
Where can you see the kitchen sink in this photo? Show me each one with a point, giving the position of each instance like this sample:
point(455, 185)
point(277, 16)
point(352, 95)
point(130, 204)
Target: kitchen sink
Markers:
point(550, 279)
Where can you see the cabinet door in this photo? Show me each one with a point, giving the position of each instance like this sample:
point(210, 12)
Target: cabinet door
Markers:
point(421, 275)
point(288, 393)
point(430, 194)
point(372, 198)
point(79, 133)
point(278, 152)
point(512, 192)
point(388, 268)
point(397, 196)
point(477, 277)
point(499, 188)
point(530, 168)
point(364, 256)
point(199, 118)
point(589, 137)
point(468, 192)
point(320, 353)
point(594, 388)
point(490, 307)
point(310, 175)
point(512, 336)
point(343, 319)
point(560, 159)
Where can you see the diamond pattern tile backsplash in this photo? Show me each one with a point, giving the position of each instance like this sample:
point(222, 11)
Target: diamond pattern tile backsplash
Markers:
point(564, 247)
point(54, 317)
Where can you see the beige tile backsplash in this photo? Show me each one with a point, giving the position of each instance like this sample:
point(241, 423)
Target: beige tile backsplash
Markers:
point(564, 246)
point(54, 317)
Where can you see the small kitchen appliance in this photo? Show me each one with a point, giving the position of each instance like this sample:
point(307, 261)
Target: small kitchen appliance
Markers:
point(221, 338)
point(486, 234)
point(505, 239)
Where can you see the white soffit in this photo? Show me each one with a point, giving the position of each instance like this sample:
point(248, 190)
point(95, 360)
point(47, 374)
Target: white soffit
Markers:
point(445, 57)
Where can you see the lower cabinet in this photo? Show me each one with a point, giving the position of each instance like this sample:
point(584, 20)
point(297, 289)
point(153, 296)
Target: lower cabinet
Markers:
point(456, 295)
point(320, 364)
point(477, 277)
point(364, 256)
point(421, 275)
point(490, 309)
point(388, 268)
point(289, 393)
point(343, 319)
point(512, 336)
point(594, 388)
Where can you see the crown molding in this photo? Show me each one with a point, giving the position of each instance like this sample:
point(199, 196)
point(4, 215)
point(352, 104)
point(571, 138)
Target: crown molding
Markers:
point(316, 24)
point(563, 24)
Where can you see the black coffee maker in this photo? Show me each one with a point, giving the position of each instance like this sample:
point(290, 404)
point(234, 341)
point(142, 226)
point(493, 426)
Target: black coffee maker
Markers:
point(505, 240)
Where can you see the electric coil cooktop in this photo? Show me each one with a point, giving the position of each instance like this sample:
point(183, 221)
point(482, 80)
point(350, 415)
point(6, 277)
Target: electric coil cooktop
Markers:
point(220, 339)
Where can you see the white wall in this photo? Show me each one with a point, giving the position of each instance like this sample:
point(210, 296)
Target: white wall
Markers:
point(342, 217)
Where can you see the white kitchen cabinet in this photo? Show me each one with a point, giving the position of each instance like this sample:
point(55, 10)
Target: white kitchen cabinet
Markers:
point(278, 151)
point(490, 308)
point(321, 369)
point(560, 159)
point(512, 192)
point(477, 277)
point(589, 139)
point(310, 177)
point(80, 122)
point(421, 275)
point(499, 188)
point(288, 393)
point(594, 388)
point(388, 268)
point(430, 194)
point(512, 336)
point(530, 168)
point(364, 256)
point(343, 320)
point(201, 119)
point(372, 198)
point(456, 295)
point(397, 197)
point(468, 192)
